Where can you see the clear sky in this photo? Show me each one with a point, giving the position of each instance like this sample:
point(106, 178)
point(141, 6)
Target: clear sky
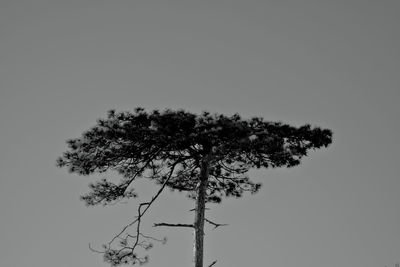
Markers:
point(331, 63)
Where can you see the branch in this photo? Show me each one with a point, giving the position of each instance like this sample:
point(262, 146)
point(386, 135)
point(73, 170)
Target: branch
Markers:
point(173, 225)
point(195, 209)
point(215, 224)
point(214, 262)
point(147, 204)
point(164, 240)
point(95, 250)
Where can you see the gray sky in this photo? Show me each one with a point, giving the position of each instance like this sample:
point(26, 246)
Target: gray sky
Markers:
point(332, 63)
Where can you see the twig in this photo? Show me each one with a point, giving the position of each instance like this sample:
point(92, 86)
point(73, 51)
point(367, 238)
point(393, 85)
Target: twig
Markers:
point(215, 224)
point(95, 250)
point(195, 209)
point(214, 262)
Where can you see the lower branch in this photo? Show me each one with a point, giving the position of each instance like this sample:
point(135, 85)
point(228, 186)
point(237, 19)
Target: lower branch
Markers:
point(147, 204)
point(126, 253)
point(173, 225)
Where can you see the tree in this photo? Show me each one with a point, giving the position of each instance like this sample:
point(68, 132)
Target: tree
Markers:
point(207, 156)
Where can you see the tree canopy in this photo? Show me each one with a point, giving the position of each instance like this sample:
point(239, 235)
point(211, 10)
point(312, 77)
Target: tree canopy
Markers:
point(171, 147)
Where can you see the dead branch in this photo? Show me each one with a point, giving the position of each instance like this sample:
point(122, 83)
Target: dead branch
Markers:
point(95, 250)
point(215, 224)
point(214, 262)
point(195, 209)
point(173, 225)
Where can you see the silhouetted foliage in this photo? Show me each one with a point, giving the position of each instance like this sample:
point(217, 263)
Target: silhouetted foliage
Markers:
point(170, 147)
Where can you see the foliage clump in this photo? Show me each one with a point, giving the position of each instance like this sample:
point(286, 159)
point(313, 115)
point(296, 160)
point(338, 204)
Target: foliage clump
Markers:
point(141, 145)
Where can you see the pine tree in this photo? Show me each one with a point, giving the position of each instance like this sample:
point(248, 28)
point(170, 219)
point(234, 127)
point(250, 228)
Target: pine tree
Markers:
point(207, 156)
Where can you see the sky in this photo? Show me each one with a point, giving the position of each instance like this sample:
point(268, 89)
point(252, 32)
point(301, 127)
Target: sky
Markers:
point(333, 64)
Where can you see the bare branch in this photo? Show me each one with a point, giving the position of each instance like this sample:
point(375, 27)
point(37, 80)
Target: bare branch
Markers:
point(215, 224)
point(195, 209)
point(214, 262)
point(155, 239)
point(173, 225)
point(95, 250)
point(148, 204)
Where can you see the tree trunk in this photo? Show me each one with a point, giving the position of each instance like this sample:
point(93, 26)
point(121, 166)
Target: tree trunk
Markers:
point(199, 216)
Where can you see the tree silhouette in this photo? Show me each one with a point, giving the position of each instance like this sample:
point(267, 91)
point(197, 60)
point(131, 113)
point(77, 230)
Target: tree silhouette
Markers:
point(206, 155)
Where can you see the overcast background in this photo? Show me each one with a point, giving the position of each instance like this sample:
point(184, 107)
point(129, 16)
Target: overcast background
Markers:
point(331, 63)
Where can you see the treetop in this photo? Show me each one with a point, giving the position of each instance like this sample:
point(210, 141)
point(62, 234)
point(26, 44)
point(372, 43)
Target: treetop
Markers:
point(172, 145)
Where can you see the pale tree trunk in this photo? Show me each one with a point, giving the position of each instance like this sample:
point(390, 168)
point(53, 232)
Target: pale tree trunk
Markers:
point(199, 216)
